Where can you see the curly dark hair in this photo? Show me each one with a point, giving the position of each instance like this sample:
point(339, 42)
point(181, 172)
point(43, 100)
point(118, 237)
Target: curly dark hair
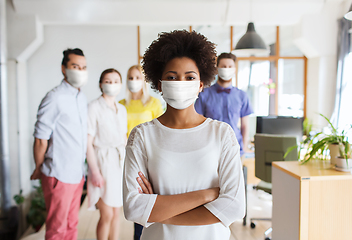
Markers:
point(176, 44)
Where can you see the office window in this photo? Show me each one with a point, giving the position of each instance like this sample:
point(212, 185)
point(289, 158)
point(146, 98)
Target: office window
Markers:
point(290, 87)
point(345, 113)
point(254, 78)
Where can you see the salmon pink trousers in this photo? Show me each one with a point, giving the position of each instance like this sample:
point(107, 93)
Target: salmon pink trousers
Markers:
point(62, 201)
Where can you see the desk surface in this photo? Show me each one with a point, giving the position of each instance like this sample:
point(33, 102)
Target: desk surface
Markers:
point(313, 170)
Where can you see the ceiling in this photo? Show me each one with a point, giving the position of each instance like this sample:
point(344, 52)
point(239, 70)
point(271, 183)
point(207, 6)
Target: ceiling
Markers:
point(157, 12)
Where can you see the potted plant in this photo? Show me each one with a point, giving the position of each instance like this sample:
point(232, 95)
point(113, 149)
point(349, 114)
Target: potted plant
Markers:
point(316, 146)
point(37, 211)
point(344, 160)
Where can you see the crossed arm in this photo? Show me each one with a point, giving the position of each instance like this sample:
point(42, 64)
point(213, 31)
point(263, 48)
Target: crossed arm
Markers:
point(180, 209)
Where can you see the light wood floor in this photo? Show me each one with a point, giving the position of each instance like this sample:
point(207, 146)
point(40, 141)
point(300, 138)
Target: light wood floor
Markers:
point(259, 205)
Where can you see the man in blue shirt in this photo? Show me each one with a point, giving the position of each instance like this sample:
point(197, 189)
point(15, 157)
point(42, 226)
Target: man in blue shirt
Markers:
point(60, 147)
point(227, 103)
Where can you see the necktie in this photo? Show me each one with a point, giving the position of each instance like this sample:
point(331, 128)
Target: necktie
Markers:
point(227, 90)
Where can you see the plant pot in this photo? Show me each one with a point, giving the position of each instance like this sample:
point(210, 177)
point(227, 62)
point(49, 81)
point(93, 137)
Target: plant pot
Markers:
point(343, 165)
point(334, 152)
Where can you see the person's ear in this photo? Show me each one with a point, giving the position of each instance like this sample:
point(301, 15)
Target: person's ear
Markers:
point(201, 86)
point(159, 86)
point(63, 70)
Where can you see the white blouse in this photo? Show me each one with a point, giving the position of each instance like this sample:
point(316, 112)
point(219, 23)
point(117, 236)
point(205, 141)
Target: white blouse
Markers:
point(177, 161)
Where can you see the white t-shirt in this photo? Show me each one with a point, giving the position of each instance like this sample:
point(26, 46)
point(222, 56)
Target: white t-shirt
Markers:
point(182, 160)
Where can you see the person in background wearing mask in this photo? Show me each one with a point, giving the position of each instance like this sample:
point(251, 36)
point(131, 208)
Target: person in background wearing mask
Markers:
point(227, 103)
point(183, 174)
point(60, 147)
point(141, 107)
point(107, 129)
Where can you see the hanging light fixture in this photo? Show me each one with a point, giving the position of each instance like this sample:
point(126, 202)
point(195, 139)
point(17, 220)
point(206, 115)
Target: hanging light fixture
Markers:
point(251, 43)
point(348, 15)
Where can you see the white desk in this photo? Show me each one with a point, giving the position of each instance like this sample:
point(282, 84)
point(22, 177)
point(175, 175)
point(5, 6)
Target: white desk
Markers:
point(311, 202)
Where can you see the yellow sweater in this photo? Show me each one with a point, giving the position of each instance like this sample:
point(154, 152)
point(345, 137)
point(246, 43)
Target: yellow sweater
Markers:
point(138, 113)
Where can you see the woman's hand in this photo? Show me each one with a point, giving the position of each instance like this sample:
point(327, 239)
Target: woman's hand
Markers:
point(97, 179)
point(145, 185)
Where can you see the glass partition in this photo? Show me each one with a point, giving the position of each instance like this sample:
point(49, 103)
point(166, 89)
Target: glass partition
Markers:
point(291, 87)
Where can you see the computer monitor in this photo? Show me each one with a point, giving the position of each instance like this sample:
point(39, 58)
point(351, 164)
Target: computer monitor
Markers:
point(280, 125)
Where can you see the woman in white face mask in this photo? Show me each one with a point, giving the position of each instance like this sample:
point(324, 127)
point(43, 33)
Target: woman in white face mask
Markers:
point(188, 167)
point(107, 129)
point(141, 107)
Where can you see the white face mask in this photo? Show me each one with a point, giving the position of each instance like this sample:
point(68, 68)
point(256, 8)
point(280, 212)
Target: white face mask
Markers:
point(76, 78)
point(111, 89)
point(180, 94)
point(135, 85)
point(226, 73)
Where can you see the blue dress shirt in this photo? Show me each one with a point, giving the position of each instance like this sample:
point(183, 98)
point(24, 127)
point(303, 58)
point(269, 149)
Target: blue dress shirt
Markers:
point(62, 120)
point(224, 104)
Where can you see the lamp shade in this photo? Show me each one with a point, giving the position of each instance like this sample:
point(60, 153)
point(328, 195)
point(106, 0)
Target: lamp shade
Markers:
point(348, 15)
point(251, 42)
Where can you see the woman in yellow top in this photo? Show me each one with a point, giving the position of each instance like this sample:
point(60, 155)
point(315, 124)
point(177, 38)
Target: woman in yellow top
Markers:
point(140, 106)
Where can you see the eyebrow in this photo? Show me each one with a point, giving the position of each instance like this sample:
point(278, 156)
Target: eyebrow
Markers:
point(192, 72)
point(185, 72)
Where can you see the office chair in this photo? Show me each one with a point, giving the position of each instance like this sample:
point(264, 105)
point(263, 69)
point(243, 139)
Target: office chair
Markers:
point(270, 148)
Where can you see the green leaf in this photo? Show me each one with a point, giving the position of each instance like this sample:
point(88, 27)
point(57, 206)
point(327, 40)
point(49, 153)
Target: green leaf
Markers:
point(332, 126)
point(19, 199)
point(290, 149)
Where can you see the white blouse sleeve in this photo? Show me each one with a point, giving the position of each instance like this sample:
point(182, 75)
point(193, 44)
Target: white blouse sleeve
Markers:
point(137, 207)
point(230, 205)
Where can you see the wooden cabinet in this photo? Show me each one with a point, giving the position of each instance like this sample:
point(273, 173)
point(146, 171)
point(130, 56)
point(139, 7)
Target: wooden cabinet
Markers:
point(311, 202)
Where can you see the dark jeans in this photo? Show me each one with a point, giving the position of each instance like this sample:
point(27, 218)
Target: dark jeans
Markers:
point(137, 231)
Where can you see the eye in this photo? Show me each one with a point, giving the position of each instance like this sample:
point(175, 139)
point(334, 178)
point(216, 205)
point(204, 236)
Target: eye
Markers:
point(170, 77)
point(190, 78)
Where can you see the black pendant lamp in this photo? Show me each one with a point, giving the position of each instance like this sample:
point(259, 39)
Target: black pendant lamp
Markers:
point(251, 43)
point(348, 15)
